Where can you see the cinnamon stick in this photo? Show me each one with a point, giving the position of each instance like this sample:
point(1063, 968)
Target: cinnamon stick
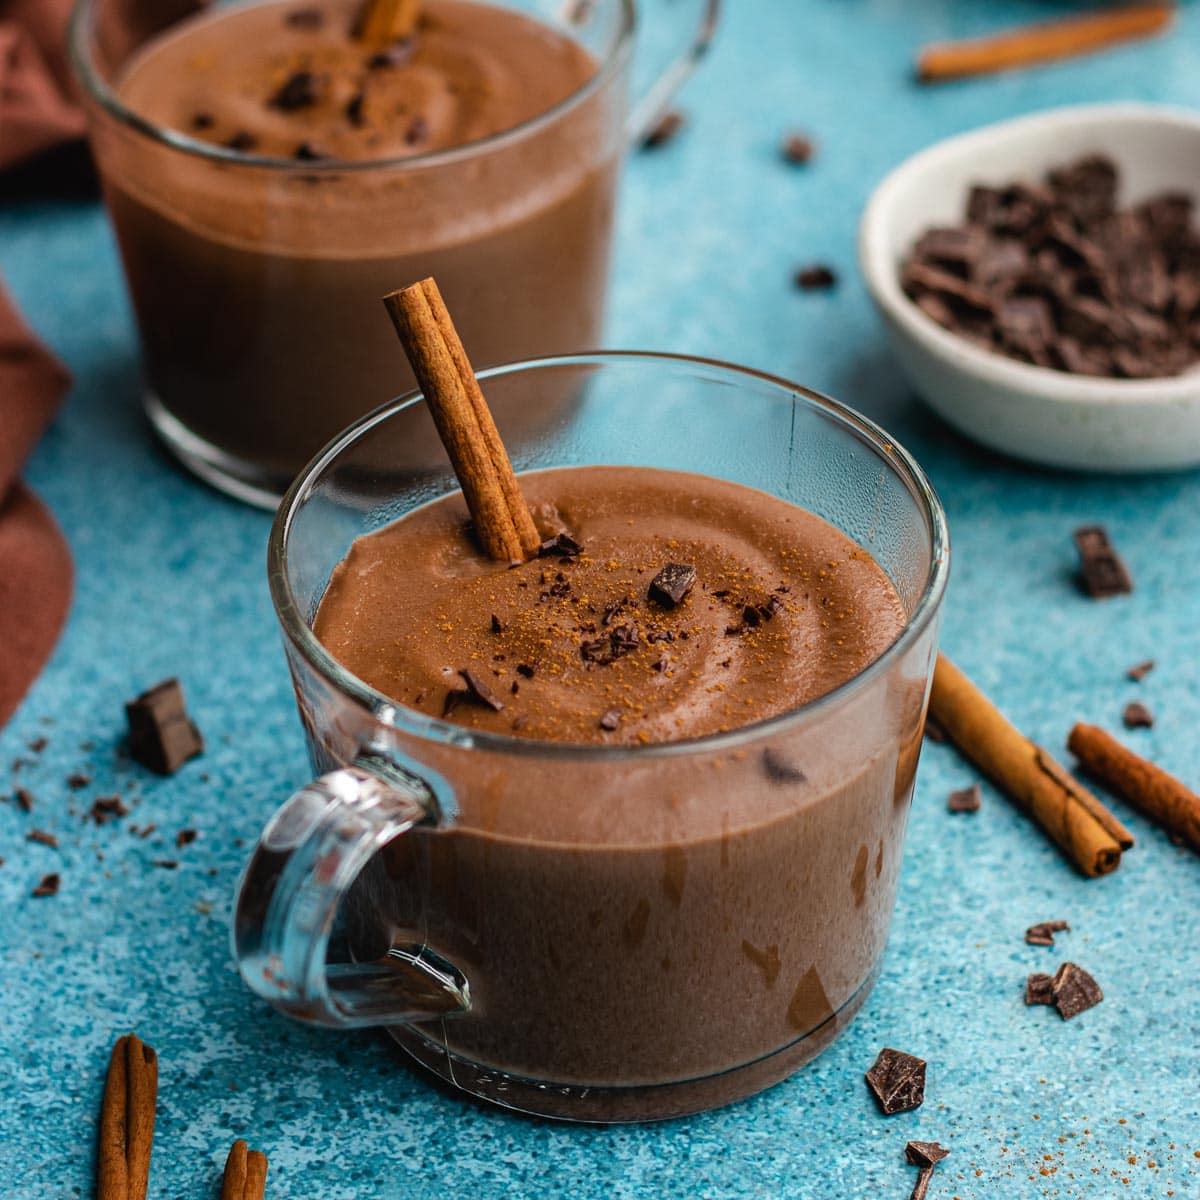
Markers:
point(245, 1175)
point(1150, 789)
point(1043, 42)
point(464, 422)
point(383, 22)
point(1087, 833)
point(127, 1121)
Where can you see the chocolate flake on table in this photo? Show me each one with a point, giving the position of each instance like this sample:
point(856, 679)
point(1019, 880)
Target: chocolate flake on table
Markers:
point(664, 130)
point(1101, 571)
point(1074, 990)
point(1137, 716)
point(166, 864)
point(48, 885)
point(797, 149)
point(305, 18)
point(779, 770)
point(162, 736)
point(561, 545)
point(107, 808)
point(24, 799)
point(816, 277)
point(897, 1081)
point(1042, 934)
point(38, 744)
point(611, 720)
point(185, 837)
point(242, 140)
point(1139, 671)
point(42, 836)
point(78, 779)
point(965, 800)
point(613, 645)
point(672, 584)
point(1039, 989)
point(925, 1154)
point(479, 692)
point(298, 91)
point(1055, 275)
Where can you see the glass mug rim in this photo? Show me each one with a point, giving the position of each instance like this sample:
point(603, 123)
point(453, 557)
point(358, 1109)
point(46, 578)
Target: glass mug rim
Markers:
point(433, 729)
point(84, 67)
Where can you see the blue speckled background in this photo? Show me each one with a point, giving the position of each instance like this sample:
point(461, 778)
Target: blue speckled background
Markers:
point(171, 580)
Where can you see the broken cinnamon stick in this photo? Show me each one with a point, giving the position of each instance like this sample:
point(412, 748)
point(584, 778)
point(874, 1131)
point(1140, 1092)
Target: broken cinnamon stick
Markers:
point(1043, 42)
point(1150, 789)
point(383, 22)
point(1087, 833)
point(127, 1121)
point(245, 1175)
point(464, 422)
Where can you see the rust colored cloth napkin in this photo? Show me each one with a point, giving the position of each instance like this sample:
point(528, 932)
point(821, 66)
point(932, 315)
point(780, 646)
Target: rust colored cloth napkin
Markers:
point(35, 564)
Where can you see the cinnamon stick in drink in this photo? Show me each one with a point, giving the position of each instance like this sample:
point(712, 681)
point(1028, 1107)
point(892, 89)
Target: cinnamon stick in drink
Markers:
point(464, 422)
point(383, 22)
point(1043, 42)
point(245, 1175)
point(127, 1121)
point(1150, 789)
point(1079, 824)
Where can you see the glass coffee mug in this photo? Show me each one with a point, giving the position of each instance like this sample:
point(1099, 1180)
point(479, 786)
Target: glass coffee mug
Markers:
point(252, 276)
point(597, 933)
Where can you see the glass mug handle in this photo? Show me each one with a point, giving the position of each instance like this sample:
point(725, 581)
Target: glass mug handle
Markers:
point(649, 106)
point(308, 856)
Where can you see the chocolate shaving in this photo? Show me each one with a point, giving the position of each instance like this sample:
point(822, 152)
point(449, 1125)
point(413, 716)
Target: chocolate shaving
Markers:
point(78, 779)
point(1075, 991)
point(562, 545)
point(454, 697)
point(479, 692)
point(299, 91)
point(664, 131)
point(38, 744)
point(1039, 989)
point(751, 617)
point(167, 864)
point(610, 720)
point(1137, 716)
point(965, 800)
point(162, 736)
point(107, 808)
point(497, 625)
point(1042, 934)
point(24, 799)
point(1101, 571)
point(779, 770)
point(526, 669)
point(1139, 672)
point(816, 277)
point(48, 885)
point(897, 1081)
point(607, 649)
point(672, 584)
point(185, 837)
point(42, 836)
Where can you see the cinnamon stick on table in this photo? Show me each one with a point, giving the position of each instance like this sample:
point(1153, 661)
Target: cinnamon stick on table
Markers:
point(464, 422)
point(1150, 789)
point(383, 22)
point(127, 1121)
point(1090, 836)
point(245, 1175)
point(1043, 42)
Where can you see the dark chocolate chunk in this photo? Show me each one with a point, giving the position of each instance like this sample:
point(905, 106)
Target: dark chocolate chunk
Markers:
point(24, 799)
point(305, 18)
point(613, 645)
point(965, 800)
point(526, 669)
point(1102, 573)
point(925, 1154)
point(921, 1187)
point(779, 770)
point(43, 837)
point(1137, 716)
point(611, 719)
point(1039, 989)
point(299, 91)
point(1139, 672)
point(815, 277)
point(664, 131)
point(497, 625)
point(479, 692)
point(672, 584)
point(897, 1081)
point(308, 152)
point(562, 545)
point(1075, 991)
point(354, 110)
point(751, 617)
point(1042, 934)
point(48, 885)
point(161, 734)
point(797, 149)
point(203, 120)
point(958, 249)
point(185, 837)
point(1087, 187)
point(242, 141)
point(107, 808)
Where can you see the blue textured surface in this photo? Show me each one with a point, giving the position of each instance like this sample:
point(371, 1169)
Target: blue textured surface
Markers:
point(171, 580)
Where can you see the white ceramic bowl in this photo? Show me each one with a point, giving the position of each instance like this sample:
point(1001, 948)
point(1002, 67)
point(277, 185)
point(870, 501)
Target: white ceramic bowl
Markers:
point(1030, 412)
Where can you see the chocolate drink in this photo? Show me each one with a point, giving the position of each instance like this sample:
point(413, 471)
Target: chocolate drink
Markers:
point(649, 919)
point(257, 287)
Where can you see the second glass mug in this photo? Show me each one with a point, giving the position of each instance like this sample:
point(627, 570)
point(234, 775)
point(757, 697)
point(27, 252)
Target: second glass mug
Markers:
point(589, 932)
point(256, 281)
